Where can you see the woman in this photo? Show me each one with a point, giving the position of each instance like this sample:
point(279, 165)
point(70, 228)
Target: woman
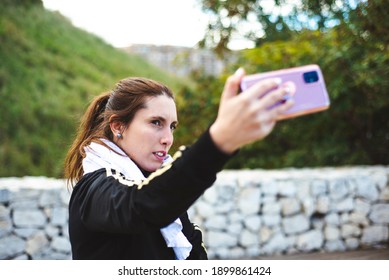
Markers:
point(131, 198)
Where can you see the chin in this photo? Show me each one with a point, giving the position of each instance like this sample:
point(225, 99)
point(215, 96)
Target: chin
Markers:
point(151, 168)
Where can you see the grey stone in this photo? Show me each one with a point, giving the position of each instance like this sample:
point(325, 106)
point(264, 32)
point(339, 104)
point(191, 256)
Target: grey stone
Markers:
point(235, 228)
point(361, 206)
point(271, 220)
point(359, 218)
point(11, 246)
point(65, 197)
point(271, 208)
point(380, 179)
point(248, 239)
point(350, 230)
point(253, 223)
point(4, 196)
point(29, 218)
point(345, 205)
point(217, 239)
point(287, 188)
point(21, 257)
point(235, 253)
point(375, 234)
point(309, 207)
point(249, 201)
point(61, 244)
point(5, 221)
point(59, 216)
point(270, 187)
point(319, 187)
point(380, 214)
point(52, 231)
point(36, 243)
point(290, 206)
point(352, 243)
point(366, 188)
point(323, 204)
point(278, 244)
point(334, 246)
point(295, 224)
point(265, 234)
point(49, 198)
point(385, 194)
point(24, 204)
point(338, 189)
point(204, 209)
point(216, 222)
point(25, 232)
point(331, 233)
point(309, 241)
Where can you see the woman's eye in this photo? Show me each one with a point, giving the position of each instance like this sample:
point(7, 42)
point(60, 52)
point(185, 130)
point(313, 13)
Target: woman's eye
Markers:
point(156, 122)
point(173, 127)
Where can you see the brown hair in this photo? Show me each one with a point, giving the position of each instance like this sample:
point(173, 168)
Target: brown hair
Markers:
point(120, 105)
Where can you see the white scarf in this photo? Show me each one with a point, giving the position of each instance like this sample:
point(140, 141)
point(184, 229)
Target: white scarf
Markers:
point(99, 156)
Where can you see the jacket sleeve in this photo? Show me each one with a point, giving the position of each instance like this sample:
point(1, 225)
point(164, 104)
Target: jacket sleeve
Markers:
point(110, 203)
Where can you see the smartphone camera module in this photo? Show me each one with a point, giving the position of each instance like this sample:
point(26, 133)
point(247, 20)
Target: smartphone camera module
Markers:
point(311, 77)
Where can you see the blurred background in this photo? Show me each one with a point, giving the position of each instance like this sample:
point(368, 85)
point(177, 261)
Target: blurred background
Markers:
point(55, 56)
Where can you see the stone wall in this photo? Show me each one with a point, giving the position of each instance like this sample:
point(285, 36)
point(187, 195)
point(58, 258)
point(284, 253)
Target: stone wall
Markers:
point(246, 214)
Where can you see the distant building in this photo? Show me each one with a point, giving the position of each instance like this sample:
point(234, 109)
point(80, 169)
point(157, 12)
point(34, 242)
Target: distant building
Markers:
point(179, 60)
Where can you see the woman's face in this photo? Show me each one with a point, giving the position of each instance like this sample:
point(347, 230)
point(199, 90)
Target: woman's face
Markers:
point(149, 136)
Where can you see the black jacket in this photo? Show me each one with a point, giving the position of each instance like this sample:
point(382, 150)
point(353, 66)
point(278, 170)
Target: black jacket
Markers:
point(111, 217)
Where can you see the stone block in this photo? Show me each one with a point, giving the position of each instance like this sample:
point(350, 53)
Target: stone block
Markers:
point(11, 246)
point(248, 239)
point(310, 241)
point(375, 234)
point(366, 188)
point(290, 206)
point(217, 239)
point(36, 243)
point(61, 244)
point(253, 223)
point(380, 214)
point(29, 218)
point(249, 201)
point(295, 224)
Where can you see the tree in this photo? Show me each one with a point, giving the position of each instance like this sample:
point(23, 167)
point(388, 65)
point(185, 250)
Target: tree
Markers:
point(269, 20)
point(354, 56)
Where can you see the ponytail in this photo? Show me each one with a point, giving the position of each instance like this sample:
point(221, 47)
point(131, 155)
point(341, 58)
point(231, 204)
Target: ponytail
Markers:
point(92, 127)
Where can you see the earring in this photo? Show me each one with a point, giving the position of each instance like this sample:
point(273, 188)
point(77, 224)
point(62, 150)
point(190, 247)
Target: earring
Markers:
point(119, 135)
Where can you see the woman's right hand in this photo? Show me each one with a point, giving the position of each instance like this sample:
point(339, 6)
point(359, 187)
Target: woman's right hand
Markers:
point(244, 118)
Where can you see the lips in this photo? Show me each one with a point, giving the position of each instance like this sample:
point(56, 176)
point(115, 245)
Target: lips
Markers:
point(160, 155)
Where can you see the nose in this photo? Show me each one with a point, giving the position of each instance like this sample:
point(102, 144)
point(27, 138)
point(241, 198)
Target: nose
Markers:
point(167, 138)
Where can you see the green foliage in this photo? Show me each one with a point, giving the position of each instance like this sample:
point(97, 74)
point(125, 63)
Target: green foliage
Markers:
point(198, 107)
point(354, 57)
point(25, 3)
point(49, 72)
point(263, 21)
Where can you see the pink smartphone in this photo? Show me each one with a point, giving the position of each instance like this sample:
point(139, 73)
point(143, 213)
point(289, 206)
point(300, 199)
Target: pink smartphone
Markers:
point(311, 94)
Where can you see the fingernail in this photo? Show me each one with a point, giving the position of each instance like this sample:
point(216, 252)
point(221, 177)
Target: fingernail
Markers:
point(287, 90)
point(239, 72)
point(290, 88)
point(278, 81)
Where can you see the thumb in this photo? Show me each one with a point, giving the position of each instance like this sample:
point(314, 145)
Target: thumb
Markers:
point(232, 86)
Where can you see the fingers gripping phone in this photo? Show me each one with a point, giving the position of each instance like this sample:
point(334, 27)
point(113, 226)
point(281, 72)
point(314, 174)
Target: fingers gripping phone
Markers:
point(311, 94)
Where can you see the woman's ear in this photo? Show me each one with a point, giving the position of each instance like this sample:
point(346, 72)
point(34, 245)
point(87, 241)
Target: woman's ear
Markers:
point(116, 127)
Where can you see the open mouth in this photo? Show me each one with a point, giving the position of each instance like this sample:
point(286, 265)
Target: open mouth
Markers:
point(160, 155)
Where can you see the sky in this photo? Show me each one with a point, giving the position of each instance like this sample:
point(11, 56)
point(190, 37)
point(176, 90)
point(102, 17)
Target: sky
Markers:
point(125, 22)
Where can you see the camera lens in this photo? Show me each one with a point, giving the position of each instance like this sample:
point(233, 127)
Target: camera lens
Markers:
point(311, 77)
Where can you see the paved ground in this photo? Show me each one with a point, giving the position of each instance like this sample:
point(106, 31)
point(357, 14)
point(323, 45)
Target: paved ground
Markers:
point(362, 254)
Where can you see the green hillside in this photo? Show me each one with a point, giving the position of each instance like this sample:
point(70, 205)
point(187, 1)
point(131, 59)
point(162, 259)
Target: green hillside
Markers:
point(49, 71)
